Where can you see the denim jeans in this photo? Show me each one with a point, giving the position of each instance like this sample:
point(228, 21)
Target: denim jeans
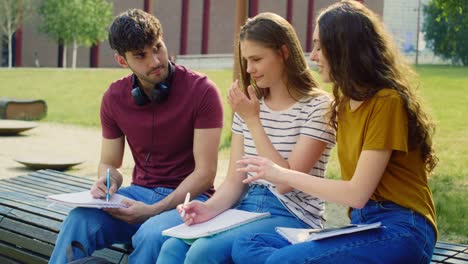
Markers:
point(96, 229)
point(407, 238)
point(217, 248)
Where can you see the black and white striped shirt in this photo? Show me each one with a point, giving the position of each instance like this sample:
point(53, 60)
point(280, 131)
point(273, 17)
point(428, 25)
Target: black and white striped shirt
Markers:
point(304, 118)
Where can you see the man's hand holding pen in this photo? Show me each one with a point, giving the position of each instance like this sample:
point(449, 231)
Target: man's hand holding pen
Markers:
point(105, 186)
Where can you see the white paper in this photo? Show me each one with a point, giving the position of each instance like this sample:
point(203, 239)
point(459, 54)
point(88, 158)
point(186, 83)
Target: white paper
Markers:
point(85, 199)
point(298, 235)
point(226, 220)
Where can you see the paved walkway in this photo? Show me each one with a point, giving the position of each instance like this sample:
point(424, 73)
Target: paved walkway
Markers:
point(49, 140)
point(57, 141)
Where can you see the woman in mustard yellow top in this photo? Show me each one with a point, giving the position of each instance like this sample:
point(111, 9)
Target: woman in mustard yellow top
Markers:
point(384, 149)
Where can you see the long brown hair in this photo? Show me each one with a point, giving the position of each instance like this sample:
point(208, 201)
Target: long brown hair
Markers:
point(363, 59)
point(273, 31)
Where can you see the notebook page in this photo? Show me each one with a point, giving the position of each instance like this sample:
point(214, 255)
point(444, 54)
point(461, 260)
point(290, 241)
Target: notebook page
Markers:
point(85, 199)
point(228, 219)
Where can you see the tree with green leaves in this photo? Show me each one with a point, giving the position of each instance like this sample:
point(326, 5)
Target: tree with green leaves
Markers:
point(76, 23)
point(446, 29)
point(12, 15)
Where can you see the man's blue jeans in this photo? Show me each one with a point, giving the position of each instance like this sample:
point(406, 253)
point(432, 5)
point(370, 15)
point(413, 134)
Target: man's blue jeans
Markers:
point(96, 229)
point(407, 238)
point(217, 248)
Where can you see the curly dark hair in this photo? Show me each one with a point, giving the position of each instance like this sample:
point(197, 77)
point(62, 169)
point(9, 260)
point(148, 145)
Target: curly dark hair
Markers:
point(363, 59)
point(133, 30)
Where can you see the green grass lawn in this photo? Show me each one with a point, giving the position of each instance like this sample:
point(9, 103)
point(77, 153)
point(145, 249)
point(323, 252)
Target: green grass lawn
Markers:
point(73, 97)
point(446, 91)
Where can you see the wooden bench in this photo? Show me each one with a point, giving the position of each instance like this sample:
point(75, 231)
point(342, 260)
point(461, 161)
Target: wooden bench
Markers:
point(450, 253)
point(29, 226)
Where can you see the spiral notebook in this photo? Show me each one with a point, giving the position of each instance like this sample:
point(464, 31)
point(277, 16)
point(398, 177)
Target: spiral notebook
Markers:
point(85, 199)
point(228, 219)
point(298, 235)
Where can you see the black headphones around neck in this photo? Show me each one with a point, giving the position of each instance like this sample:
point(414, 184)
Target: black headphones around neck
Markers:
point(160, 91)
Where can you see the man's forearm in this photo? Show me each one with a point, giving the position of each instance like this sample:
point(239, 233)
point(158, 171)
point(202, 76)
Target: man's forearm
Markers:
point(196, 183)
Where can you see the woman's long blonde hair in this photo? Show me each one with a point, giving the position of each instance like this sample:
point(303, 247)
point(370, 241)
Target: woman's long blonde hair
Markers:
point(273, 31)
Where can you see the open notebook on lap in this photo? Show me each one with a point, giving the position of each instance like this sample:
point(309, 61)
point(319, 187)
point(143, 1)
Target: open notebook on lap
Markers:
point(85, 199)
point(228, 219)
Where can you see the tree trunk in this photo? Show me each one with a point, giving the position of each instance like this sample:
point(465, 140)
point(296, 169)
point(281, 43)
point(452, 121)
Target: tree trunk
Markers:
point(10, 50)
point(10, 44)
point(75, 51)
point(64, 56)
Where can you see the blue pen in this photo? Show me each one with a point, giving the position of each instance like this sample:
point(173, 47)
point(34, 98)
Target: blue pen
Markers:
point(108, 184)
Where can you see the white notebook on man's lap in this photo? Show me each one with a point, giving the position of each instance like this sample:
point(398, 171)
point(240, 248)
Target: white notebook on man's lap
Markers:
point(228, 219)
point(85, 199)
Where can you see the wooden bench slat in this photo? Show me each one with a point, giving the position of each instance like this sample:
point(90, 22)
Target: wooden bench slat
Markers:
point(9, 191)
point(444, 252)
point(28, 189)
point(29, 183)
point(63, 180)
point(32, 219)
point(462, 256)
point(21, 255)
point(438, 258)
point(46, 210)
point(57, 177)
point(51, 184)
point(30, 231)
point(4, 211)
point(32, 201)
point(122, 247)
point(455, 261)
point(5, 260)
point(32, 209)
point(450, 253)
point(40, 201)
point(23, 196)
point(26, 242)
point(454, 247)
point(59, 174)
point(44, 186)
